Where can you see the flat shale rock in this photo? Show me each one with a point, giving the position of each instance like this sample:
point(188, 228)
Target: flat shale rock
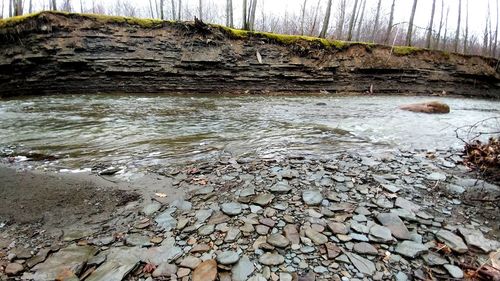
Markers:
point(452, 240)
point(411, 249)
point(271, 259)
point(395, 224)
point(206, 271)
point(312, 197)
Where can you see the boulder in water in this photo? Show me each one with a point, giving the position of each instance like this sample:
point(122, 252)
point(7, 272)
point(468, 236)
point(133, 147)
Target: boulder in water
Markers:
point(427, 107)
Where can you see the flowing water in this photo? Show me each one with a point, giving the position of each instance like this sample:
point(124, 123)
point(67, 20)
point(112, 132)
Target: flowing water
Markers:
point(145, 130)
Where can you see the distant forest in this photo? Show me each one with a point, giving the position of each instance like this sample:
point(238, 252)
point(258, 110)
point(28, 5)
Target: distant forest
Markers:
point(352, 21)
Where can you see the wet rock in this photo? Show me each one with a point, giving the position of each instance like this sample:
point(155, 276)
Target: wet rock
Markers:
point(190, 262)
point(263, 199)
point(231, 209)
point(452, 240)
point(242, 269)
point(454, 271)
point(316, 237)
point(427, 107)
point(271, 259)
point(206, 271)
point(228, 257)
point(278, 240)
point(71, 259)
point(475, 238)
point(395, 224)
point(411, 249)
point(364, 266)
point(312, 197)
point(280, 187)
point(13, 269)
point(165, 270)
point(365, 248)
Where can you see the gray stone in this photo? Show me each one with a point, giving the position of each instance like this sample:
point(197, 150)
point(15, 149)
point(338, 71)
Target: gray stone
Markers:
point(391, 188)
point(165, 220)
point(263, 199)
point(13, 269)
point(312, 197)
point(165, 253)
point(206, 230)
point(476, 239)
point(316, 237)
point(395, 224)
point(455, 189)
point(401, 276)
point(407, 205)
point(120, 262)
point(452, 240)
point(232, 208)
point(404, 214)
point(271, 259)
point(204, 190)
point(436, 177)
point(232, 235)
point(242, 269)
point(364, 266)
point(203, 215)
point(291, 233)
point(411, 249)
point(361, 228)
point(182, 205)
point(365, 248)
point(383, 202)
point(247, 192)
point(433, 259)
point(320, 269)
point(337, 228)
point(136, 239)
point(278, 240)
point(280, 187)
point(190, 262)
point(381, 233)
point(228, 257)
point(165, 270)
point(70, 259)
point(151, 208)
point(454, 271)
point(359, 237)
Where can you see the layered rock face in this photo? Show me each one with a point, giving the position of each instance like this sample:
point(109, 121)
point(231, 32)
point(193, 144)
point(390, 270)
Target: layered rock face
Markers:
point(75, 54)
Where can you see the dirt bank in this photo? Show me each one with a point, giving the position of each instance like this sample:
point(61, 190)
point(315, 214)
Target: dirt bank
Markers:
point(72, 53)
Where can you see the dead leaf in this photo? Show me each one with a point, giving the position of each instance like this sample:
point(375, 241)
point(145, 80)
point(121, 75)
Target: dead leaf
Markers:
point(259, 57)
point(161, 195)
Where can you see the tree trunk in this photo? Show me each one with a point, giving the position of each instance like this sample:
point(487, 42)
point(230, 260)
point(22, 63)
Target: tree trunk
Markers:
point(30, 9)
point(3, 9)
point(315, 19)
point(457, 33)
point(18, 7)
point(200, 9)
point(375, 25)
point(54, 5)
point(445, 37)
point(162, 15)
point(391, 21)
point(466, 39)
point(409, 34)
point(150, 9)
point(251, 16)
point(245, 19)
point(496, 34)
point(351, 21)
point(485, 36)
point(326, 21)
point(172, 2)
point(179, 10)
point(10, 8)
point(360, 24)
point(81, 5)
point(229, 13)
point(438, 37)
point(431, 24)
point(303, 17)
point(340, 24)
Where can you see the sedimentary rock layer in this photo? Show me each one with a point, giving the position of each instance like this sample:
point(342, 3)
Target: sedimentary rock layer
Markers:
point(71, 53)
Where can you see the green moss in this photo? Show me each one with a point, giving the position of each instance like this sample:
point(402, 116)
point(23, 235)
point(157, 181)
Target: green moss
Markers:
point(405, 50)
point(13, 21)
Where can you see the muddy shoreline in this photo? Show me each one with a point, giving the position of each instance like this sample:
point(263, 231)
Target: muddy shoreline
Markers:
point(307, 218)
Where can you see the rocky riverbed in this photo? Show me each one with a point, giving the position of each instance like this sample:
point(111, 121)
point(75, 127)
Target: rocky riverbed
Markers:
point(392, 215)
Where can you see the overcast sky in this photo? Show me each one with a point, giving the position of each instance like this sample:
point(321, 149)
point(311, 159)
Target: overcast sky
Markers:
point(478, 9)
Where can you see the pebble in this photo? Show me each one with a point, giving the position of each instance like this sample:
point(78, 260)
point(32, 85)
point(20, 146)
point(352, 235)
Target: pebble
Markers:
point(312, 197)
point(13, 269)
point(206, 271)
point(228, 257)
point(231, 209)
point(271, 259)
point(278, 240)
point(454, 271)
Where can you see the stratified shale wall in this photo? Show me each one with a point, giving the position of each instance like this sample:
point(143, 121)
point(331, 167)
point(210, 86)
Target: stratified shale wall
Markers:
point(78, 54)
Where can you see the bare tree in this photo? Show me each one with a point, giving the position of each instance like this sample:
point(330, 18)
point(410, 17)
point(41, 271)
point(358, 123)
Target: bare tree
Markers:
point(151, 9)
point(251, 14)
point(315, 18)
point(172, 3)
point(30, 8)
point(340, 23)
point(445, 37)
point(360, 24)
point(303, 17)
point(3, 9)
point(496, 34)
point(351, 22)
point(66, 6)
point(179, 10)
point(466, 39)
point(11, 8)
point(375, 25)
point(431, 24)
point(390, 25)
point(162, 5)
point(438, 37)
point(200, 9)
point(54, 5)
point(81, 5)
point(326, 21)
point(18, 7)
point(409, 34)
point(229, 13)
point(457, 33)
point(245, 17)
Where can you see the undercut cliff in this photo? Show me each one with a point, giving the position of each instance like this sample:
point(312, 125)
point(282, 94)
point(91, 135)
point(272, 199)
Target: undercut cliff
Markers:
point(77, 54)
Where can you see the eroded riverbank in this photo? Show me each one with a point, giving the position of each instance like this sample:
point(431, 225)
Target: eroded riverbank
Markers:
point(357, 216)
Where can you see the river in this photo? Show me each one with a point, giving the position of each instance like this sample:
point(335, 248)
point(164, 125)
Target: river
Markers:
point(140, 131)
